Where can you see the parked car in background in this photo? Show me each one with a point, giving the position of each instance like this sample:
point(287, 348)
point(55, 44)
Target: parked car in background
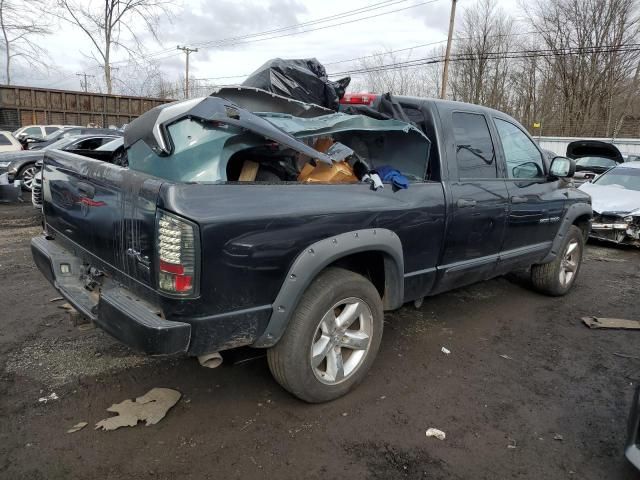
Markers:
point(22, 165)
point(111, 152)
point(8, 143)
point(232, 228)
point(616, 204)
point(36, 131)
point(70, 132)
point(593, 157)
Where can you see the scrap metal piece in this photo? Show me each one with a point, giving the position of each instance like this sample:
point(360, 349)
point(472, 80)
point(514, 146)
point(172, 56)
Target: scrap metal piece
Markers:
point(598, 322)
point(151, 407)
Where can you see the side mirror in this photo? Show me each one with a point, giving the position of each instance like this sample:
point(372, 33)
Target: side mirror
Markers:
point(562, 167)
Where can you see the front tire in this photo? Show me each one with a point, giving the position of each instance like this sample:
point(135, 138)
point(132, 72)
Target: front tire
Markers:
point(557, 278)
point(332, 339)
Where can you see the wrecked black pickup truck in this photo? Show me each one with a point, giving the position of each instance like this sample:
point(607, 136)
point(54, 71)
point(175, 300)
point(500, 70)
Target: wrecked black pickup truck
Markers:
point(294, 229)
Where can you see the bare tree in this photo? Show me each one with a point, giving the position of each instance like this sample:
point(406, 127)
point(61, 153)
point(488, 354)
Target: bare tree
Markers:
point(481, 72)
point(586, 82)
point(143, 78)
point(110, 24)
point(20, 27)
point(402, 75)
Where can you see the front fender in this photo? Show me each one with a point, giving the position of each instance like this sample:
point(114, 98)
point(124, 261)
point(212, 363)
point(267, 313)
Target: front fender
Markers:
point(316, 257)
point(574, 212)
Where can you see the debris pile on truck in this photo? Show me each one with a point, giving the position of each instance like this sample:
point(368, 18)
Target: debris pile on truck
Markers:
point(229, 137)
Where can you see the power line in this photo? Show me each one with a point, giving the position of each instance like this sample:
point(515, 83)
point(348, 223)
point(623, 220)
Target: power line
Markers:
point(230, 41)
point(387, 52)
point(233, 41)
point(349, 13)
point(496, 56)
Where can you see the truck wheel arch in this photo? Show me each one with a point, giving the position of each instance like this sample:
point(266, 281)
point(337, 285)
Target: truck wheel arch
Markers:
point(578, 214)
point(331, 251)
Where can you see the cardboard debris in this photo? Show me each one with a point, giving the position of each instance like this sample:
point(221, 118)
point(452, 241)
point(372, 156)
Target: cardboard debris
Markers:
point(598, 322)
point(77, 427)
point(151, 408)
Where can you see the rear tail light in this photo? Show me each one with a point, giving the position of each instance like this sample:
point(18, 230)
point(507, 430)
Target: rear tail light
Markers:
point(177, 255)
point(358, 99)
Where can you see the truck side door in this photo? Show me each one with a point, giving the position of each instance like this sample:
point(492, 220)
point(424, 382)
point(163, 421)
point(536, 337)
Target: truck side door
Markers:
point(536, 204)
point(478, 201)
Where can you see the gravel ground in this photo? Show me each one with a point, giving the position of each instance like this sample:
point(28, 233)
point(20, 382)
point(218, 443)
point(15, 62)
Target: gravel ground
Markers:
point(527, 392)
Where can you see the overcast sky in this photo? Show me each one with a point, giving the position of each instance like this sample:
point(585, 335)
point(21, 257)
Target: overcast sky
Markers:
point(198, 21)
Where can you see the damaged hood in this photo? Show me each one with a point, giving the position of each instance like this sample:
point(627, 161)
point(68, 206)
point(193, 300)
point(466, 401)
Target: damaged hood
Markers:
point(610, 199)
point(151, 127)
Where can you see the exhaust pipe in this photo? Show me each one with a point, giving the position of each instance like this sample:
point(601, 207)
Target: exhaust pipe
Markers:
point(210, 360)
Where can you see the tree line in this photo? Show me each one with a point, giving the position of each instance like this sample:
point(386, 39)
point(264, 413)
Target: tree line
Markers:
point(569, 67)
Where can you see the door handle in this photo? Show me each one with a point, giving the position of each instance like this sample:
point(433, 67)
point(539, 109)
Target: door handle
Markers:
point(89, 191)
point(518, 200)
point(464, 203)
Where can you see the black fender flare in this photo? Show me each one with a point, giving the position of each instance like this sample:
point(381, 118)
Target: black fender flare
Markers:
point(318, 256)
point(573, 212)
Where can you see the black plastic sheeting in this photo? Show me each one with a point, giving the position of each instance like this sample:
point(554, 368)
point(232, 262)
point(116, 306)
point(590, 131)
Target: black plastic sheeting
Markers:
point(304, 79)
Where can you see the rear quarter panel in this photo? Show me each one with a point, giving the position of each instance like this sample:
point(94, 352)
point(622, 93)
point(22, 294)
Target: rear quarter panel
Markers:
point(252, 233)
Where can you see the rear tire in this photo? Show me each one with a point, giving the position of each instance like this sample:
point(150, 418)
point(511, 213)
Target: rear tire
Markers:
point(26, 176)
point(557, 278)
point(332, 338)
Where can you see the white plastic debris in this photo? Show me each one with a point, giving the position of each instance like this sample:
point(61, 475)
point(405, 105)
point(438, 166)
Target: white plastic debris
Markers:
point(445, 350)
point(52, 396)
point(151, 407)
point(434, 432)
point(77, 427)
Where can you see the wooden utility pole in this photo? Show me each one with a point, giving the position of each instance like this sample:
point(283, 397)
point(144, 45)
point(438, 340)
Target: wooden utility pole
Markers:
point(188, 51)
point(84, 85)
point(445, 71)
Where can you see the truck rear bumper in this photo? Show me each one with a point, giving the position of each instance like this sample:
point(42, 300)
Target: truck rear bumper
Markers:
point(117, 311)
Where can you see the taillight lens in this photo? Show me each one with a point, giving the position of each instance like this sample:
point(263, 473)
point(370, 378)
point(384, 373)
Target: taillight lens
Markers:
point(177, 255)
point(358, 99)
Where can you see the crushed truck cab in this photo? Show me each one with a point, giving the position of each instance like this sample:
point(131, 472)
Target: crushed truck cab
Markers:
point(228, 230)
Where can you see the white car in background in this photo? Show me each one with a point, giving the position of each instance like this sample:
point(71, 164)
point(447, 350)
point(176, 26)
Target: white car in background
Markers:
point(8, 142)
point(615, 197)
point(35, 131)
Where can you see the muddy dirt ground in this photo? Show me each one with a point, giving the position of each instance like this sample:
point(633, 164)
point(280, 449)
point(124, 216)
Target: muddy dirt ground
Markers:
point(527, 391)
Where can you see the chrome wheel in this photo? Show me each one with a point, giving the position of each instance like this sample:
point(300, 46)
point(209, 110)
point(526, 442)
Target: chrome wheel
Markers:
point(569, 263)
point(341, 341)
point(27, 177)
